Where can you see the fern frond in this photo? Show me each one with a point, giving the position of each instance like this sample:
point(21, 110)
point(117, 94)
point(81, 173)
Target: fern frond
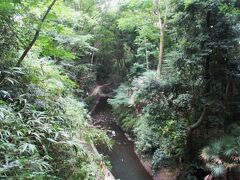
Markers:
point(217, 170)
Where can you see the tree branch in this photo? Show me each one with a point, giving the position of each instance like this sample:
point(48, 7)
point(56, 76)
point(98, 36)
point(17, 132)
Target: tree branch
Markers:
point(199, 121)
point(36, 34)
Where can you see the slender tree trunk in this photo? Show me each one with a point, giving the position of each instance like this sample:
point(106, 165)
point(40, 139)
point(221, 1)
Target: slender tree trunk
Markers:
point(92, 58)
point(162, 18)
point(29, 47)
point(161, 45)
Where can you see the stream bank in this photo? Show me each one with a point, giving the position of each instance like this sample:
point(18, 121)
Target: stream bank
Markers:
point(126, 165)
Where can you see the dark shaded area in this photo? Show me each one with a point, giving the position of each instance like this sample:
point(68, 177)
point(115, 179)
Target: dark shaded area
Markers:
point(194, 171)
point(102, 106)
point(125, 163)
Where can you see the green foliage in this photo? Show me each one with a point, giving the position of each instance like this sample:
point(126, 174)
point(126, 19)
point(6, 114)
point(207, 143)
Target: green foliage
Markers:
point(7, 6)
point(229, 8)
point(154, 122)
point(43, 125)
point(146, 138)
point(44, 129)
point(143, 23)
point(129, 122)
point(121, 98)
point(221, 154)
point(50, 49)
point(159, 159)
point(201, 40)
point(131, 20)
point(82, 74)
point(183, 101)
point(136, 70)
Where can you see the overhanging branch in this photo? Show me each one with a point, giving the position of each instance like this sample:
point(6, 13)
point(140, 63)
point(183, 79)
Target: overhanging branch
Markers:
point(199, 121)
point(24, 54)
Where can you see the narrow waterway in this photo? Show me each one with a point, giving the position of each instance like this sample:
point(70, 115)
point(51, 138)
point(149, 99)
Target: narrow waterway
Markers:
point(125, 163)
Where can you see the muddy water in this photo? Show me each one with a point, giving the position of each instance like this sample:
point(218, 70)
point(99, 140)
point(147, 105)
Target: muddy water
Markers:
point(125, 163)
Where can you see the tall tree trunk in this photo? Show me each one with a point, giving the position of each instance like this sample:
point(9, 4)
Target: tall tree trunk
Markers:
point(29, 47)
point(92, 58)
point(161, 45)
point(162, 18)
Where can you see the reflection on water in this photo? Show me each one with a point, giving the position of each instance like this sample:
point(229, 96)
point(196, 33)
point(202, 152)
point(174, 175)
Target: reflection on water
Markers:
point(125, 164)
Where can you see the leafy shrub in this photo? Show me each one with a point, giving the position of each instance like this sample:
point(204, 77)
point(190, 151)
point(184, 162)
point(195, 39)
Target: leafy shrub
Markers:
point(222, 154)
point(82, 74)
point(183, 101)
point(44, 128)
point(148, 108)
point(121, 98)
point(146, 138)
point(136, 70)
point(173, 137)
point(129, 123)
point(159, 159)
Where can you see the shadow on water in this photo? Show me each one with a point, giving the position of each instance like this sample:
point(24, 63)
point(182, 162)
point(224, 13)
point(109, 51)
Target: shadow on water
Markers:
point(125, 163)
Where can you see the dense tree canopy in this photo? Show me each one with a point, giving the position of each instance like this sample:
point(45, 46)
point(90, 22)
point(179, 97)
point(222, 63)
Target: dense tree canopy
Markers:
point(174, 65)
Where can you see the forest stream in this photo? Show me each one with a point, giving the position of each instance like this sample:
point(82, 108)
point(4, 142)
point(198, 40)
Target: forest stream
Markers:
point(125, 163)
point(78, 76)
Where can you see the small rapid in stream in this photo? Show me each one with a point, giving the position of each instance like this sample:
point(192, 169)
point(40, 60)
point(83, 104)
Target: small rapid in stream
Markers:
point(124, 161)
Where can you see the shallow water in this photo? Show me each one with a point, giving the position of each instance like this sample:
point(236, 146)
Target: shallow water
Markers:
point(125, 163)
